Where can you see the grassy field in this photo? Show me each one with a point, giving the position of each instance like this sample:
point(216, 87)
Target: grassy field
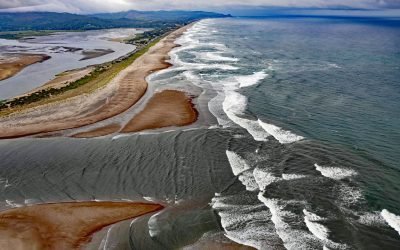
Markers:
point(98, 78)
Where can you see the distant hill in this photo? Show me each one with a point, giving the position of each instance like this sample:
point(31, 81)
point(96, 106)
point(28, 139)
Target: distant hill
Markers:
point(159, 15)
point(65, 21)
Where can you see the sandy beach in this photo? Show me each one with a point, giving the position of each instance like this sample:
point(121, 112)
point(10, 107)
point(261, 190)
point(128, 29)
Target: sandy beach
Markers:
point(11, 64)
point(102, 131)
point(166, 108)
point(121, 93)
point(63, 225)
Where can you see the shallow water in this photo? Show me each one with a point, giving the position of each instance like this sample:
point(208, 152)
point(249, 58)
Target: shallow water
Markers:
point(302, 153)
point(61, 59)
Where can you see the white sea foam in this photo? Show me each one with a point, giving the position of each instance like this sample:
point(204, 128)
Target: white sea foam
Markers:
point(12, 203)
point(245, 224)
point(283, 136)
point(371, 219)
point(292, 238)
point(348, 195)
point(264, 178)
point(153, 225)
point(293, 176)
point(116, 137)
point(215, 56)
point(247, 179)
point(234, 105)
point(238, 164)
point(31, 201)
point(391, 219)
point(312, 222)
point(180, 65)
point(217, 111)
point(334, 172)
point(250, 80)
point(215, 107)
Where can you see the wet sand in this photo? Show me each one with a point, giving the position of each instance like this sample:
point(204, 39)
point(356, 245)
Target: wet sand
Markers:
point(90, 54)
point(106, 130)
point(11, 64)
point(124, 90)
point(63, 225)
point(165, 109)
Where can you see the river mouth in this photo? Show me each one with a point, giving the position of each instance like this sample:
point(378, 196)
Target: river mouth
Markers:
point(68, 51)
point(291, 157)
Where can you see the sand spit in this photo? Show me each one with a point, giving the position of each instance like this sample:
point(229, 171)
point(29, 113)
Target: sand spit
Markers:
point(164, 109)
point(106, 130)
point(124, 90)
point(90, 54)
point(11, 64)
point(63, 225)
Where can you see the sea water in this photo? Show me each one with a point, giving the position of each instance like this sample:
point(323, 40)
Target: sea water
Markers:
point(300, 151)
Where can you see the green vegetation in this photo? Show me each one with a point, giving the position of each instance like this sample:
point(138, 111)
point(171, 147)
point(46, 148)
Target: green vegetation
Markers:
point(50, 21)
point(99, 77)
point(145, 37)
point(23, 34)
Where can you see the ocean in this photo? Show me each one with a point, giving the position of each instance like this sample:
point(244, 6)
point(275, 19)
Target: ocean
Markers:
point(297, 144)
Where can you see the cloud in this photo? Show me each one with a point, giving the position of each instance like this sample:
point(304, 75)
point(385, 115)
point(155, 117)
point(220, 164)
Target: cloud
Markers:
point(90, 6)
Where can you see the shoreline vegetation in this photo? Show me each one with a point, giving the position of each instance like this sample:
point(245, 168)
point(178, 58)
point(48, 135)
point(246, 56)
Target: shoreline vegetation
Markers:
point(142, 41)
point(100, 74)
point(65, 225)
point(109, 90)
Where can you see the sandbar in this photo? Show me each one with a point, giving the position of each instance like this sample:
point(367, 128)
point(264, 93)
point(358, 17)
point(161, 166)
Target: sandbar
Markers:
point(91, 54)
point(102, 131)
point(11, 64)
point(164, 109)
point(121, 93)
point(63, 225)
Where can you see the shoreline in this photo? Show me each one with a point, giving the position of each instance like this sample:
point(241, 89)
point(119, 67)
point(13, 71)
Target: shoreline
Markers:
point(13, 63)
point(64, 225)
point(122, 92)
point(168, 108)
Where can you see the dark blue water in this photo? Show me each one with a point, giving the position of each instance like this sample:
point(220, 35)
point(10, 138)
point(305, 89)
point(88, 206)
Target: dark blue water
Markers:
point(335, 81)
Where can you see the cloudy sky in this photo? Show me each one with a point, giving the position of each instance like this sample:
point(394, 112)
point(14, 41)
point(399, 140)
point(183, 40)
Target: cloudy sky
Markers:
point(90, 6)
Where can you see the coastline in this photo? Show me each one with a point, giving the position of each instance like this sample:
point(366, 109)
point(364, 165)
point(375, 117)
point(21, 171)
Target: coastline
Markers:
point(167, 108)
point(12, 63)
point(118, 95)
point(67, 225)
point(164, 109)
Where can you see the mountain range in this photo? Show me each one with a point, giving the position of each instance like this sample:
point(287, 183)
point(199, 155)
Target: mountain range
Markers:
point(66, 21)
